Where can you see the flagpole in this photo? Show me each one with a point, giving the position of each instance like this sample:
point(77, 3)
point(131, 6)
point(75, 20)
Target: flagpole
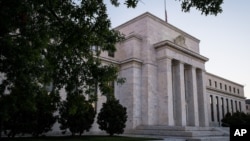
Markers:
point(165, 11)
point(165, 5)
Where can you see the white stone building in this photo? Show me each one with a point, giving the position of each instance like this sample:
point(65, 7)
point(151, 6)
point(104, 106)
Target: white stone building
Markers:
point(166, 80)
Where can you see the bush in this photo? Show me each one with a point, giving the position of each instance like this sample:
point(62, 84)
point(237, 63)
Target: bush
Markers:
point(76, 114)
point(112, 117)
point(238, 118)
point(28, 114)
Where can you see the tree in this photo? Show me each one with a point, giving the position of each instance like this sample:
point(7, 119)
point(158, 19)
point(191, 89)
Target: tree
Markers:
point(51, 41)
point(46, 106)
point(76, 114)
point(112, 117)
point(44, 42)
point(33, 114)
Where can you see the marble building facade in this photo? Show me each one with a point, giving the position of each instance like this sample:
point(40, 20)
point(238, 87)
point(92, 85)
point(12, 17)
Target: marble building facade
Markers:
point(166, 81)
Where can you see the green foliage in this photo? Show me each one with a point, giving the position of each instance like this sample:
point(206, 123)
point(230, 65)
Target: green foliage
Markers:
point(50, 42)
point(76, 114)
point(27, 114)
point(206, 7)
point(112, 117)
point(46, 105)
point(238, 118)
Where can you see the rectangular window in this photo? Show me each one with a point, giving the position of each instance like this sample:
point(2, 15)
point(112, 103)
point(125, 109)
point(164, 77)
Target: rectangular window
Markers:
point(111, 53)
point(236, 106)
point(222, 107)
point(234, 90)
point(215, 84)
point(220, 86)
point(240, 105)
point(232, 108)
point(211, 107)
point(229, 88)
point(217, 108)
point(210, 83)
point(225, 87)
point(238, 91)
point(95, 49)
point(227, 105)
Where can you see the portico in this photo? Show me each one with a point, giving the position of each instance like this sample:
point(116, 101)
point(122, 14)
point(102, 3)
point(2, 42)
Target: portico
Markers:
point(178, 82)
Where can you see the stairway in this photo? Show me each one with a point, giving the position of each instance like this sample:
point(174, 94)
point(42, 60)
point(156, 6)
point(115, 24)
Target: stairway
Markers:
point(183, 133)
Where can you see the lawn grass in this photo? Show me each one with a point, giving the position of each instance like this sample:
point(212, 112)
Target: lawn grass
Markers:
point(82, 138)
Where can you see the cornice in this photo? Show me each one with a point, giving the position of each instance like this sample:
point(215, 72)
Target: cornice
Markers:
point(163, 44)
point(131, 60)
point(213, 75)
point(109, 60)
point(136, 36)
point(226, 93)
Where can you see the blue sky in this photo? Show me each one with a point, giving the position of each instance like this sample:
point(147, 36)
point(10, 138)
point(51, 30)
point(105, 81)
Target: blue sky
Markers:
point(225, 38)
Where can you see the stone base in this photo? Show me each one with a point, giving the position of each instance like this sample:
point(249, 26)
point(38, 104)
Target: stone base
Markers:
point(183, 133)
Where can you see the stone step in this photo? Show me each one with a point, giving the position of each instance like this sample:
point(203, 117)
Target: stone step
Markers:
point(197, 139)
point(177, 133)
point(223, 138)
point(179, 128)
point(180, 133)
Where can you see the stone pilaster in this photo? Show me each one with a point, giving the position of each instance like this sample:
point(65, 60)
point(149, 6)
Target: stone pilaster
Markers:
point(149, 95)
point(165, 92)
point(129, 93)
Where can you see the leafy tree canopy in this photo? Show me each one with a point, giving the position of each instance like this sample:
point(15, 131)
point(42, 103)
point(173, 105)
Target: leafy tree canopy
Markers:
point(207, 7)
point(50, 43)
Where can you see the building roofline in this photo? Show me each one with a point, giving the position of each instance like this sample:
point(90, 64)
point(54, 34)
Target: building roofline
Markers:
point(147, 14)
point(224, 79)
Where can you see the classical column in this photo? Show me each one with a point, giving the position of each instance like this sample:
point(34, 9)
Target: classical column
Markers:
point(191, 96)
point(202, 98)
point(225, 106)
point(215, 109)
point(165, 92)
point(211, 109)
point(179, 94)
point(229, 105)
point(220, 109)
point(236, 106)
point(232, 106)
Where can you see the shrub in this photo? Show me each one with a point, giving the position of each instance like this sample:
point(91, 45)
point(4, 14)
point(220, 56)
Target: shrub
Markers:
point(76, 114)
point(112, 117)
point(238, 118)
